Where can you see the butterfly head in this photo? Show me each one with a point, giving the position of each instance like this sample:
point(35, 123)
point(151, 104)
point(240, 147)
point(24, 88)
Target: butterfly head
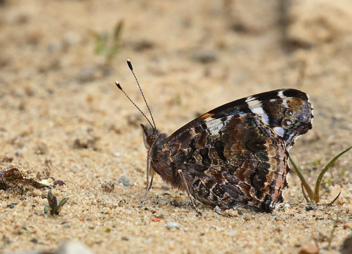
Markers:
point(150, 135)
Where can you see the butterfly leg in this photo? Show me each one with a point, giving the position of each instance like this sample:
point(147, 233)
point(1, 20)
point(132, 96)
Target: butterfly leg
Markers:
point(150, 172)
point(189, 194)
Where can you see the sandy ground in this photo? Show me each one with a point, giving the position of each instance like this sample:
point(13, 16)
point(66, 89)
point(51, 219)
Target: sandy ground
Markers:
point(61, 116)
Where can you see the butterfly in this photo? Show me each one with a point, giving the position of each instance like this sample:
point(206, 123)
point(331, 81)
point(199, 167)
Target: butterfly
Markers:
point(234, 155)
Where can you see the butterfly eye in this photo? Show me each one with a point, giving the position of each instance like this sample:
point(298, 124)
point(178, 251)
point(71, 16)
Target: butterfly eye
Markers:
point(286, 123)
point(289, 112)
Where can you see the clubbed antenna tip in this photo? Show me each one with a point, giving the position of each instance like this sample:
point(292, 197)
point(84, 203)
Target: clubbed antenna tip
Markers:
point(118, 85)
point(140, 89)
point(129, 64)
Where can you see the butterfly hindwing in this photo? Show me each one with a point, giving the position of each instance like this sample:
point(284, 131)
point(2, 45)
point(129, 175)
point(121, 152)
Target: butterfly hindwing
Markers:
point(235, 160)
point(236, 154)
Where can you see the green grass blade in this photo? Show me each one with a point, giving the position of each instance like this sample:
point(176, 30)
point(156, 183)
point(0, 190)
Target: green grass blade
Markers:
point(303, 181)
point(320, 177)
point(117, 32)
point(62, 202)
point(46, 209)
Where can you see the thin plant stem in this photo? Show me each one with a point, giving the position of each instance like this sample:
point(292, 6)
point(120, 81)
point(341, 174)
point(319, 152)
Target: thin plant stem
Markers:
point(303, 181)
point(335, 199)
point(320, 177)
point(304, 194)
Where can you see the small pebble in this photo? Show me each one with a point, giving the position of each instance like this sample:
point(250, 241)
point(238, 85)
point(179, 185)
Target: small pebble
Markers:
point(116, 154)
point(172, 225)
point(34, 240)
point(73, 247)
point(205, 56)
point(165, 187)
point(125, 181)
point(217, 209)
point(309, 248)
point(309, 208)
point(346, 247)
point(59, 182)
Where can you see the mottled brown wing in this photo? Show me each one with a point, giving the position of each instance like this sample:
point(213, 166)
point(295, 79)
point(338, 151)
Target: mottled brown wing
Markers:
point(287, 111)
point(235, 160)
point(237, 153)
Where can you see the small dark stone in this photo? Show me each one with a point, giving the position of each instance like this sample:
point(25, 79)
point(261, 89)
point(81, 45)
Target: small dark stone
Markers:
point(175, 203)
point(11, 206)
point(59, 182)
point(346, 247)
point(34, 240)
point(124, 238)
point(205, 56)
point(142, 45)
point(309, 208)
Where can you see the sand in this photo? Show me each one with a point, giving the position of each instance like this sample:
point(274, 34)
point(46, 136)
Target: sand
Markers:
point(62, 118)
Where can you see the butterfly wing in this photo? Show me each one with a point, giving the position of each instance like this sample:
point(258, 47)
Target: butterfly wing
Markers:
point(237, 153)
point(287, 111)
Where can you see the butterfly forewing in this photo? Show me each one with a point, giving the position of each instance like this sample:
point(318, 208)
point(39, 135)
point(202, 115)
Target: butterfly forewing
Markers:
point(236, 154)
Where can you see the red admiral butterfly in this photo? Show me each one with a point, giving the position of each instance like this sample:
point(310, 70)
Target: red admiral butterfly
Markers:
point(234, 155)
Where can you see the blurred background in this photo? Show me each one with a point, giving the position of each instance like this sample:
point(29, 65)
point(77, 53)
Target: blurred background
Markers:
point(59, 106)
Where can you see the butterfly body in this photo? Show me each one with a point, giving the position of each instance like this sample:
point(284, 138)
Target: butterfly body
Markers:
point(236, 154)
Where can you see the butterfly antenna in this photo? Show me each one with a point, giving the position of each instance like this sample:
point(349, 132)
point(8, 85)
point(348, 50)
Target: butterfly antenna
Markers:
point(119, 87)
point(140, 89)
